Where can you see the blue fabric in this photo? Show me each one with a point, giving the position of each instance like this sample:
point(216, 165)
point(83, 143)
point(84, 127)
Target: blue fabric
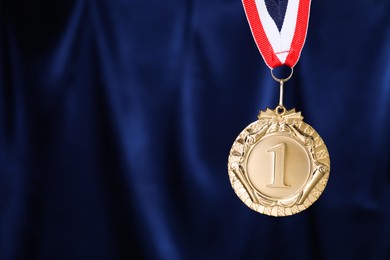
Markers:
point(117, 117)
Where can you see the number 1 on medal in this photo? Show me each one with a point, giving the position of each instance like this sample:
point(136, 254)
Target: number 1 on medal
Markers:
point(278, 166)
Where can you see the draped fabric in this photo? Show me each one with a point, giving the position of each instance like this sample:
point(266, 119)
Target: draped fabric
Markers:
point(117, 117)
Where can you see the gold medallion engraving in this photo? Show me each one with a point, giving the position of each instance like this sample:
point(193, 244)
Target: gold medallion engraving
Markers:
point(279, 165)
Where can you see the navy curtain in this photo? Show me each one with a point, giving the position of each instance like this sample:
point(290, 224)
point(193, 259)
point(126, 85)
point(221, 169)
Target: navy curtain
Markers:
point(117, 117)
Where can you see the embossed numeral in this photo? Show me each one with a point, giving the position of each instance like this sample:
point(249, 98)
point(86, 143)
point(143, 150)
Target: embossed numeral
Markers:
point(278, 172)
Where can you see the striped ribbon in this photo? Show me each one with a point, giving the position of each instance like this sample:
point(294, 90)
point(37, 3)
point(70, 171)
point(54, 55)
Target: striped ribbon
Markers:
point(279, 28)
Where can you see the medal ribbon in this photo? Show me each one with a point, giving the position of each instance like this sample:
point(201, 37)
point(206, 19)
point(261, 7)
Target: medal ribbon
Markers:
point(279, 28)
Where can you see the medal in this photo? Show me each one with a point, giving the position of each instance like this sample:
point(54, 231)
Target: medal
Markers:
point(278, 165)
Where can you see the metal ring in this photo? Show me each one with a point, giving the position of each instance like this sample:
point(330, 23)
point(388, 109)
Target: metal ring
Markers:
point(282, 80)
point(280, 110)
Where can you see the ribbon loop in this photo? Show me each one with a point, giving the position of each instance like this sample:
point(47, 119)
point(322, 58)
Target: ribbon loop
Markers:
point(279, 29)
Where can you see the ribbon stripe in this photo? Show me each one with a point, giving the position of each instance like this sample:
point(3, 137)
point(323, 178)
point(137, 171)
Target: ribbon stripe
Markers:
point(279, 29)
point(277, 11)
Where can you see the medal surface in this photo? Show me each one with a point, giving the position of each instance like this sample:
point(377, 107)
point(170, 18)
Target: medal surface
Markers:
point(278, 165)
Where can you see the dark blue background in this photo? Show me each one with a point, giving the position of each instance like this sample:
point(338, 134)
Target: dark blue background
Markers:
point(117, 117)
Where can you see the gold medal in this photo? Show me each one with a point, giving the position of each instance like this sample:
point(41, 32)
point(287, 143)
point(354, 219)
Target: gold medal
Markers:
point(279, 165)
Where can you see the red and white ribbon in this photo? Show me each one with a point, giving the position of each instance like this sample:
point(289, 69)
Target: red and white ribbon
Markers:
point(279, 35)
